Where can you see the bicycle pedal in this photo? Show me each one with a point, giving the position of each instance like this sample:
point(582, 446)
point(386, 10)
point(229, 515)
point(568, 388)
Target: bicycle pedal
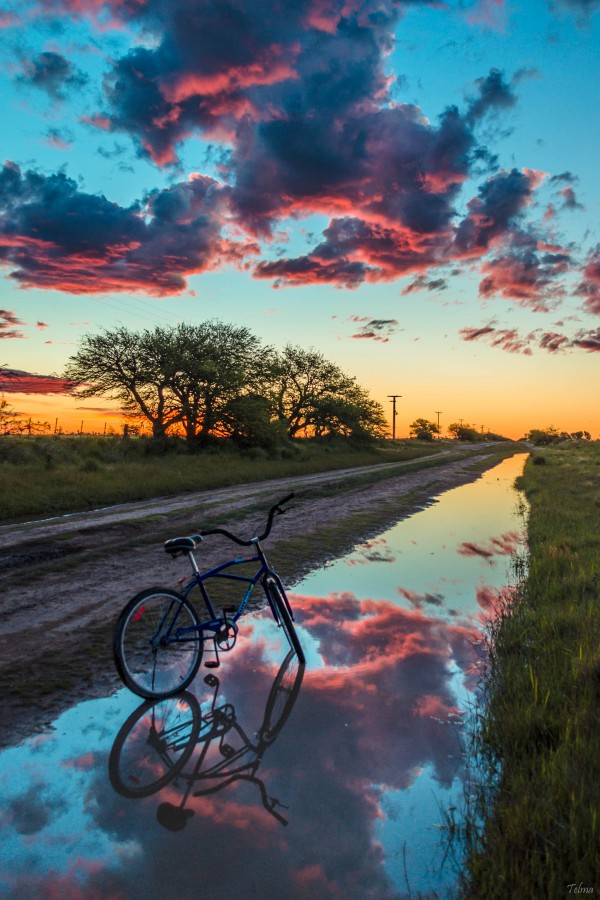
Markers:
point(212, 664)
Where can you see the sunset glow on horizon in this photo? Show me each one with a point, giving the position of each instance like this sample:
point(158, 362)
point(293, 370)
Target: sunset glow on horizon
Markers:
point(408, 187)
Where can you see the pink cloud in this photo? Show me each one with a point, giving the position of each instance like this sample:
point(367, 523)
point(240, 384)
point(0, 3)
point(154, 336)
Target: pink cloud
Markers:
point(14, 381)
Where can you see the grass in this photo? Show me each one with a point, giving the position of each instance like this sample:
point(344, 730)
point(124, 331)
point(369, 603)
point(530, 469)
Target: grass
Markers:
point(50, 476)
point(538, 734)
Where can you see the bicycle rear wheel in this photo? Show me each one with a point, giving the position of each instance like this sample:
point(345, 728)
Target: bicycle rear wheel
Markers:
point(280, 607)
point(150, 657)
point(153, 745)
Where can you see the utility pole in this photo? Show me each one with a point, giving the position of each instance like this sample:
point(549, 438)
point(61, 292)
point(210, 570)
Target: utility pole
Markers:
point(438, 413)
point(394, 397)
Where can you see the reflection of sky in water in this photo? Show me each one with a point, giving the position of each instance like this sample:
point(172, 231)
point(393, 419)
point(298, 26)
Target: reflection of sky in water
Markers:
point(361, 770)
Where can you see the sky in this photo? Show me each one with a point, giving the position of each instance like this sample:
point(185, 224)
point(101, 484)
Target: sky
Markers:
point(407, 186)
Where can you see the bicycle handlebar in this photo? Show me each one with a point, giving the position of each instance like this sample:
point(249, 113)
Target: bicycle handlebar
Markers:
point(276, 510)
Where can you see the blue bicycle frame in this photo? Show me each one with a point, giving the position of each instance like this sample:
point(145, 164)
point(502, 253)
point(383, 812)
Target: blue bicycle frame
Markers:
point(215, 622)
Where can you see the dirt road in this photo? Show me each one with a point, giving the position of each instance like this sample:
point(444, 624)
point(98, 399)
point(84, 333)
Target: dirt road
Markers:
point(64, 580)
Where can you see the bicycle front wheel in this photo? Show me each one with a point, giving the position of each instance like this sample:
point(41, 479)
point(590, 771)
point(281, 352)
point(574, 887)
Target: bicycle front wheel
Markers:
point(152, 657)
point(280, 607)
point(153, 745)
point(282, 697)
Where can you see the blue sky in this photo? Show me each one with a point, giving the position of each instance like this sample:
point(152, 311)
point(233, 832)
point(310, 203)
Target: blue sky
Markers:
point(408, 187)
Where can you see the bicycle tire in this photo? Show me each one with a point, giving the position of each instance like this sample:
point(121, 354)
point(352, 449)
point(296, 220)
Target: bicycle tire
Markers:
point(282, 697)
point(144, 758)
point(279, 604)
point(152, 667)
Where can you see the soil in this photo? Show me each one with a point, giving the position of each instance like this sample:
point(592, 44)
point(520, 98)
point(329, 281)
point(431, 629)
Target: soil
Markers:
point(63, 581)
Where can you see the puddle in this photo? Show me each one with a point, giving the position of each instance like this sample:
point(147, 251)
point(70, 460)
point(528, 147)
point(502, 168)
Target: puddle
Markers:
point(267, 779)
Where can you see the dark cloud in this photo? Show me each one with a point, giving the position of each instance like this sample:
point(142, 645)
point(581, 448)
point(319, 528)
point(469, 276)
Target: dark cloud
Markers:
point(8, 319)
point(566, 177)
point(526, 271)
point(511, 341)
point(355, 250)
point(53, 235)
point(52, 73)
point(588, 340)
point(215, 65)
point(301, 96)
point(377, 330)
point(507, 339)
point(493, 94)
point(500, 203)
point(553, 341)
point(589, 286)
point(473, 334)
point(421, 282)
point(60, 139)
point(569, 199)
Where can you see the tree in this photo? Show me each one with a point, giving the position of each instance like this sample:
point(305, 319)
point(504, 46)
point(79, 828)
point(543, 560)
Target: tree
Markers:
point(352, 415)
point(552, 435)
point(251, 423)
point(183, 376)
point(464, 432)
point(542, 436)
point(314, 397)
point(209, 365)
point(128, 367)
point(423, 429)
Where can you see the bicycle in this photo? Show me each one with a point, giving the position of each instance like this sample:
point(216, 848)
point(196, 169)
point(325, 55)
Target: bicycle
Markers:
point(158, 640)
point(158, 739)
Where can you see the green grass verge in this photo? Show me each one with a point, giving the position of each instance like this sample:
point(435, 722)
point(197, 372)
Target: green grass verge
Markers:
point(538, 734)
point(61, 475)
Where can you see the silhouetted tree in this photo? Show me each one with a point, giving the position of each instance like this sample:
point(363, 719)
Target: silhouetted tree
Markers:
point(129, 367)
point(423, 429)
point(180, 376)
point(313, 396)
point(464, 432)
point(207, 366)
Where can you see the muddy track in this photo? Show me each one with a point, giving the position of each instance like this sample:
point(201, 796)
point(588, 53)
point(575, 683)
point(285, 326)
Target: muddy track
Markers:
point(63, 581)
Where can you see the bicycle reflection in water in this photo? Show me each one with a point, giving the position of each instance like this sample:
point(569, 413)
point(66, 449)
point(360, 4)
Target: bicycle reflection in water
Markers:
point(159, 738)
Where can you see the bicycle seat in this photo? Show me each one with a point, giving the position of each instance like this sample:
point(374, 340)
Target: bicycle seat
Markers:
point(179, 545)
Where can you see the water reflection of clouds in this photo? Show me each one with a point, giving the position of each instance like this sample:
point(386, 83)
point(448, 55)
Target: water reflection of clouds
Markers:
point(373, 551)
point(375, 732)
point(379, 710)
point(385, 669)
point(505, 545)
point(420, 600)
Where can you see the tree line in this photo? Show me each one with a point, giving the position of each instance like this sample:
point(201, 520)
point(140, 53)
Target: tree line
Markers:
point(425, 430)
point(217, 380)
